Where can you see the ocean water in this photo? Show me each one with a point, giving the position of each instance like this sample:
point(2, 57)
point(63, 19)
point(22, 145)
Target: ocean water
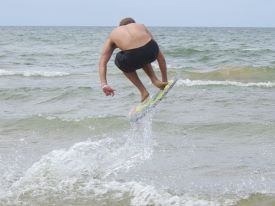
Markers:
point(209, 143)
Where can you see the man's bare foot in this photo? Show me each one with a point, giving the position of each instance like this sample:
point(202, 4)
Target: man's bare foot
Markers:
point(159, 84)
point(144, 97)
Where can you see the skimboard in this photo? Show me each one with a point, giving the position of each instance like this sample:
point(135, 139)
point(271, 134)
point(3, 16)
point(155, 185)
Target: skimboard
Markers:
point(145, 107)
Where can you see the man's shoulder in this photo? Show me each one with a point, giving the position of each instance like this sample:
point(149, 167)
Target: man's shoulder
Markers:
point(118, 29)
point(116, 32)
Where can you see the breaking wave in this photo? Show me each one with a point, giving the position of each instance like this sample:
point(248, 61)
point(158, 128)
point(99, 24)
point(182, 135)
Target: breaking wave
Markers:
point(33, 73)
point(255, 74)
point(190, 83)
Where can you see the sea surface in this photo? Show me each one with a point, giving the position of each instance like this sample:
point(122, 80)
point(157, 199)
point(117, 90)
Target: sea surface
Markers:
point(211, 142)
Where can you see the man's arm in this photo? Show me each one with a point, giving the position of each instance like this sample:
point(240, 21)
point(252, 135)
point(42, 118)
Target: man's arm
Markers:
point(161, 61)
point(162, 66)
point(148, 32)
point(105, 57)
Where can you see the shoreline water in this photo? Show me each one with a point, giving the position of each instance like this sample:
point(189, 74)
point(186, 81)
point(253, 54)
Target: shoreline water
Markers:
point(210, 142)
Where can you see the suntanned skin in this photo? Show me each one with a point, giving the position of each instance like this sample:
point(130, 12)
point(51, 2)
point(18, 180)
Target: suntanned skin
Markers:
point(126, 37)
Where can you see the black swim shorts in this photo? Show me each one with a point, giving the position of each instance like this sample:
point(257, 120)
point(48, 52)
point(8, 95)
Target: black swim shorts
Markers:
point(133, 59)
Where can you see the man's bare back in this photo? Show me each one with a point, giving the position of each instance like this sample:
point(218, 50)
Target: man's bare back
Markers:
point(130, 36)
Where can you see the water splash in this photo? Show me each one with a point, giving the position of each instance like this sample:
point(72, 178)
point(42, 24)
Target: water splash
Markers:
point(86, 166)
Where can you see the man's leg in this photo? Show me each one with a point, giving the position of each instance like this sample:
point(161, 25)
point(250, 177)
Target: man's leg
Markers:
point(151, 74)
point(133, 77)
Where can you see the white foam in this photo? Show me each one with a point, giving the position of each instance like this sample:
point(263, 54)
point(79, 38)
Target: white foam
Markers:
point(33, 73)
point(102, 192)
point(86, 172)
point(89, 161)
point(190, 83)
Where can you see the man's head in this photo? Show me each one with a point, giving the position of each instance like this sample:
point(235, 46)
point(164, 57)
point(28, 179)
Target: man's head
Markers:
point(126, 21)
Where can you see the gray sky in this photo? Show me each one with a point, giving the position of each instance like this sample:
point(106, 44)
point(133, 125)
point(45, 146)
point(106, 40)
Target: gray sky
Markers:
point(248, 13)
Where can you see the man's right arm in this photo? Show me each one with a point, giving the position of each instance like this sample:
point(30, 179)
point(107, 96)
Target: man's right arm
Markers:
point(105, 57)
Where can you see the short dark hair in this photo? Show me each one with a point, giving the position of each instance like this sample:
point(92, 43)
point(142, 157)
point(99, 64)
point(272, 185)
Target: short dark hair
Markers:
point(126, 21)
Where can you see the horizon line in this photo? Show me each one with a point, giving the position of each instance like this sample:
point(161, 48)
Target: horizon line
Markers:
point(197, 26)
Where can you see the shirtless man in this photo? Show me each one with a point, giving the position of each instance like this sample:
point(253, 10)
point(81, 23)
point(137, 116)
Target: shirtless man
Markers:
point(138, 50)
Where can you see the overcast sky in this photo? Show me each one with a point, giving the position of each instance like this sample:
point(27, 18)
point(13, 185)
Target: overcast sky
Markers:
point(248, 13)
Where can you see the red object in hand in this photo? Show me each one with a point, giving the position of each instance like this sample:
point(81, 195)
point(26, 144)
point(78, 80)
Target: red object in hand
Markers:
point(108, 90)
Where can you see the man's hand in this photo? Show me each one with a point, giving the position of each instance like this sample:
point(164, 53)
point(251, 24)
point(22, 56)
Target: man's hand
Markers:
point(108, 90)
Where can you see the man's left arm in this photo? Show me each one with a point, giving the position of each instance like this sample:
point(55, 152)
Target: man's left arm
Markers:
point(161, 61)
point(162, 66)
